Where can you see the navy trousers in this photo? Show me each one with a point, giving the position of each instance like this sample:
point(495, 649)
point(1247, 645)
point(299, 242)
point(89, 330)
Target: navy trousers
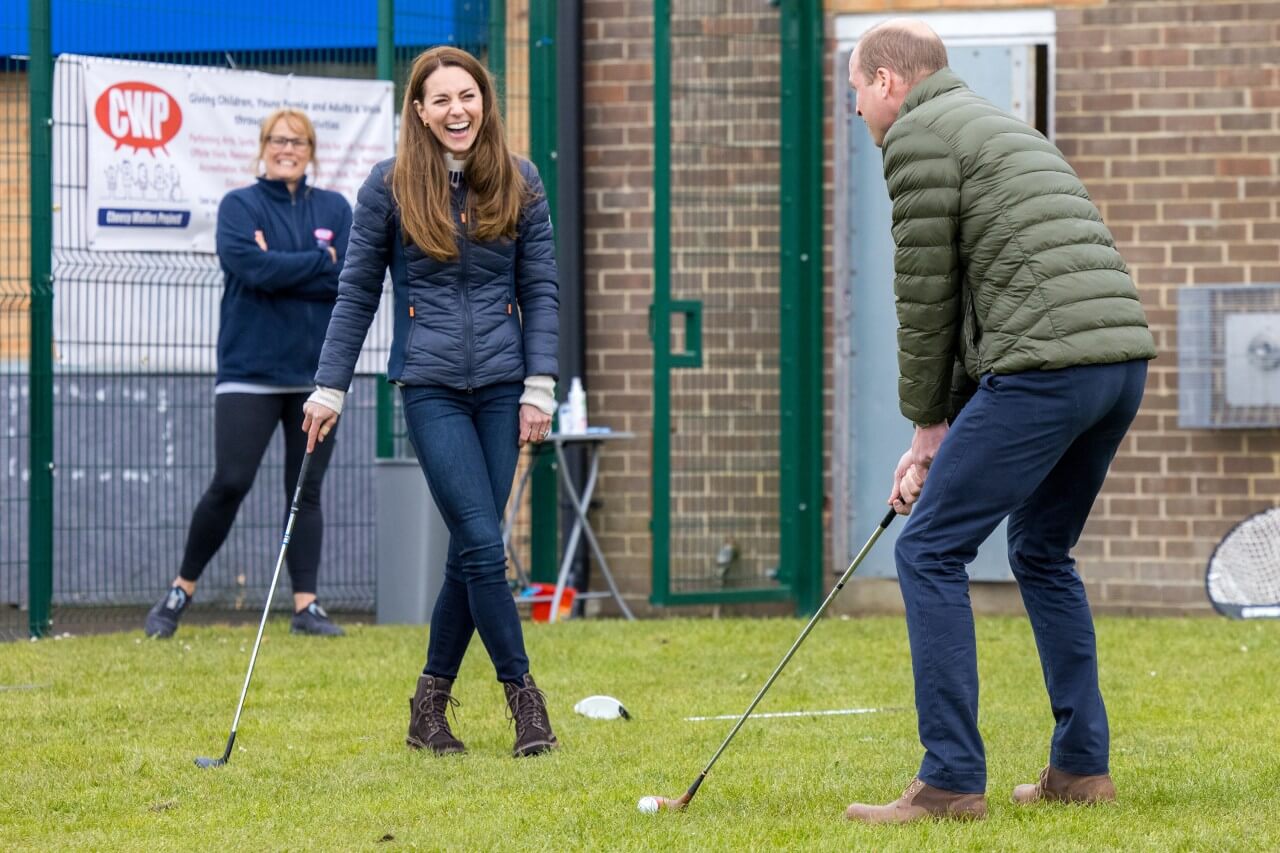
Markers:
point(1033, 447)
point(467, 443)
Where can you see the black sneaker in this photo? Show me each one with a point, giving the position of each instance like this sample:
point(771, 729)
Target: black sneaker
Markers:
point(162, 621)
point(313, 620)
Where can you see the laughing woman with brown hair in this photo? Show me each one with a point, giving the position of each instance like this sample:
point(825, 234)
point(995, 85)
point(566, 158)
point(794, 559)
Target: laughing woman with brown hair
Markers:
point(465, 229)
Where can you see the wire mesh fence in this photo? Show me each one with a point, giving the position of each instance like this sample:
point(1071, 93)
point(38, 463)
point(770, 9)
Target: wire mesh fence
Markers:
point(135, 330)
point(14, 308)
point(725, 137)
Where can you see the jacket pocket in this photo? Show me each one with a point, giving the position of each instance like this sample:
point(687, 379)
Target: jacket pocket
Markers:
point(413, 328)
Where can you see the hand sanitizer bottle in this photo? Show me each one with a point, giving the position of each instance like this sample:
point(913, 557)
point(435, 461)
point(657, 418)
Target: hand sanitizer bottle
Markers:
point(577, 408)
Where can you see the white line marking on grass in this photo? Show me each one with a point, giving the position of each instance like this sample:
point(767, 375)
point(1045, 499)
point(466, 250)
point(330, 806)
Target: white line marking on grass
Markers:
point(23, 686)
point(836, 713)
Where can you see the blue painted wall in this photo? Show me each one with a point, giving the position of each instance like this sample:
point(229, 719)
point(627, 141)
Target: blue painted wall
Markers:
point(194, 26)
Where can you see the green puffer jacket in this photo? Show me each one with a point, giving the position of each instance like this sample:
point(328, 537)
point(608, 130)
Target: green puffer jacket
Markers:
point(1002, 264)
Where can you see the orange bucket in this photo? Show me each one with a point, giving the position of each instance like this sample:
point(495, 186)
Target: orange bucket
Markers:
point(542, 609)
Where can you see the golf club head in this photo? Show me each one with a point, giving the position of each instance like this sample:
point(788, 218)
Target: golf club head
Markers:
point(206, 763)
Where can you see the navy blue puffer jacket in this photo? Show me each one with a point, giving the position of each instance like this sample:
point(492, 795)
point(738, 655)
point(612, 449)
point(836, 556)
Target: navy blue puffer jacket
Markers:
point(276, 304)
point(456, 322)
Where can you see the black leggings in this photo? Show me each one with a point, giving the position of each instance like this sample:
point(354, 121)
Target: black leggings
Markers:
point(242, 426)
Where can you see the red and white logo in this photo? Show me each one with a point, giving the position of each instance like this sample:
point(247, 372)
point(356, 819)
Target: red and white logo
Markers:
point(139, 115)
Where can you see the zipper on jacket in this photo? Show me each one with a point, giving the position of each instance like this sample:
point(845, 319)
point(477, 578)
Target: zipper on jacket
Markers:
point(468, 331)
point(298, 244)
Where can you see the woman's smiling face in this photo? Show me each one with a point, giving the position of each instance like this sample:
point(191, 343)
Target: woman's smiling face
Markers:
point(287, 152)
point(452, 108)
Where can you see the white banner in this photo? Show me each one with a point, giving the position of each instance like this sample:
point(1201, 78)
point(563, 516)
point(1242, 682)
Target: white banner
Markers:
point(140, 294)
point(166, 142)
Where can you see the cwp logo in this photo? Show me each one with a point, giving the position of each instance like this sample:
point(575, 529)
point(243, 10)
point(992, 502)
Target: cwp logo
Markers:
point(139, 115)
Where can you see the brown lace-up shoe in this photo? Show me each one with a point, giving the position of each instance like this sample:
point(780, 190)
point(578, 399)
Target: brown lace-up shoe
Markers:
point(922, 802)
point(1062, 787)
point(527, 706)
point(428, 726)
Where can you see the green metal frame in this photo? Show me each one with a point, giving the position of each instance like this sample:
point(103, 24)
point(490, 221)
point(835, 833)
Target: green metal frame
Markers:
point(692, 311)
point(40, 487)
point(660, 330)
point(800, 477)
point(386, 51)
point(384, 418)
point(543, 141)
point(497, 60)
point(660, 313)
point(800, 237)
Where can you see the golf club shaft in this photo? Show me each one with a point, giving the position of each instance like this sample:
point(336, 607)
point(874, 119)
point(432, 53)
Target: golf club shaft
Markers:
point(271, 594)
point(884, 524)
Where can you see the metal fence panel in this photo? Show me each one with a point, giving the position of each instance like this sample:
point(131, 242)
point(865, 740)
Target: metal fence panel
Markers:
point(721, 516)
point(133, 447)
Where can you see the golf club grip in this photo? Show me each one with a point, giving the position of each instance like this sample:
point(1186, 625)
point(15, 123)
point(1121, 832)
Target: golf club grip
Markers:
point(888, 518)
point(302, 478)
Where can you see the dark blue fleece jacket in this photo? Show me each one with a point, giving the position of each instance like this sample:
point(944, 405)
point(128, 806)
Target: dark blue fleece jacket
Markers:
point(490, 315)
point(276, 304)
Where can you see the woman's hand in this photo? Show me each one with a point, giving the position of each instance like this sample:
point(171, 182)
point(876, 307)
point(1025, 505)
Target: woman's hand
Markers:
point(317, 422)
point(535, 424)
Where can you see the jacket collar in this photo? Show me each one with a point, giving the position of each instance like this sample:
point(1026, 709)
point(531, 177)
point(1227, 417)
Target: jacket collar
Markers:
point(940, 82)
point(279, 189)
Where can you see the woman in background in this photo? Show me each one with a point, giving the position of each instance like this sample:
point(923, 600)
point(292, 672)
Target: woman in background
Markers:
point(281, 245)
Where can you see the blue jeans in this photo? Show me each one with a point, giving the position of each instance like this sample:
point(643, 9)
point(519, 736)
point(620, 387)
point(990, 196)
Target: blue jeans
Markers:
point(1034, 447)
point(467, 445)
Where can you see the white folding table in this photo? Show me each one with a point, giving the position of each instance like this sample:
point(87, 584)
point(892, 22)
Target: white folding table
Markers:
point(581, 503)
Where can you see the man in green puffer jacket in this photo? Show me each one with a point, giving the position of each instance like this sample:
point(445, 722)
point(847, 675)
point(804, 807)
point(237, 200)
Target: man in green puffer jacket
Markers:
point(1022, 351)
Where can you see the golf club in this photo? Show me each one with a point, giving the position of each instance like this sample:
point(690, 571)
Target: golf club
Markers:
point(653, 804)
point(271, 593)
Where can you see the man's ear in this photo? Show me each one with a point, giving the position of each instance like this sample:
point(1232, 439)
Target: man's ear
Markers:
point(884, 80)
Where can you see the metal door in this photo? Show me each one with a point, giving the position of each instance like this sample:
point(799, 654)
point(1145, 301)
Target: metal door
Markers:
point(879, 433)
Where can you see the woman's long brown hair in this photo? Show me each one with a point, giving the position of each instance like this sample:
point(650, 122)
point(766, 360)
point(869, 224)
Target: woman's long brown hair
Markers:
point(420, 179)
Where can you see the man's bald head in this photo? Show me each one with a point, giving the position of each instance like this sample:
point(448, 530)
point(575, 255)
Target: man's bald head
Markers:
point(906, 46)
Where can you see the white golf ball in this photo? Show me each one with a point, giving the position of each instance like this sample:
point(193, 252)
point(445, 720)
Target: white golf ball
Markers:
point(648, 805)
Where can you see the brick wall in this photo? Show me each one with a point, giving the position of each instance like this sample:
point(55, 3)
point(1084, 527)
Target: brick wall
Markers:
point(618, 209)
point(1169, 112)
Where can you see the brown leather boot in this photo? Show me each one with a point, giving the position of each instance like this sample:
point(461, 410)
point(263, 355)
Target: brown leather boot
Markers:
point(922, 802)
point(527, 706)
point(1062, 787)
point(428, 726)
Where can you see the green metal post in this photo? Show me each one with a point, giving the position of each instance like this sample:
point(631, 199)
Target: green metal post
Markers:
point(384, 418)
point(386, 55)
point(40, 487)
point(660, 318)
point(384, 393)
point(498, 49)
point(544, 561)
point(800, 235)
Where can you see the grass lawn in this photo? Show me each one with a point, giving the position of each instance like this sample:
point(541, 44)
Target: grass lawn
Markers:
point(97, 737)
